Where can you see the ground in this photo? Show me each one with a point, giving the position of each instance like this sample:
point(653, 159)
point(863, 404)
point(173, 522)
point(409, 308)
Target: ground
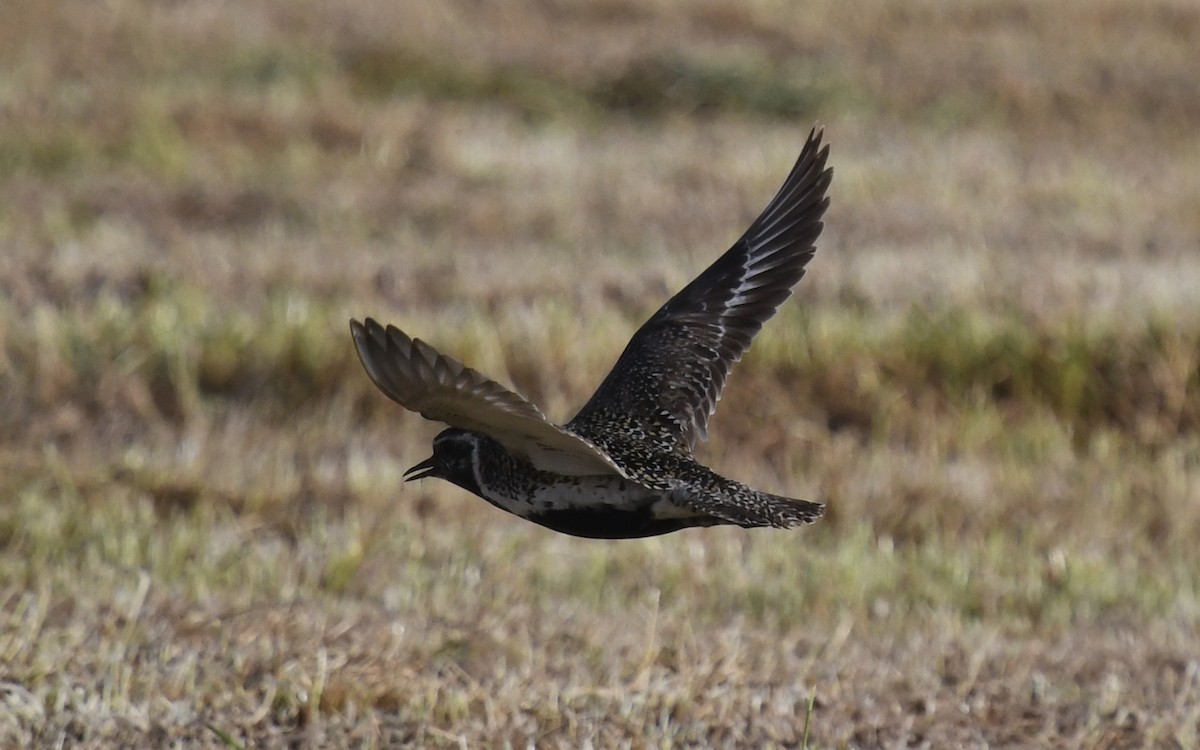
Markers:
point(989, 374)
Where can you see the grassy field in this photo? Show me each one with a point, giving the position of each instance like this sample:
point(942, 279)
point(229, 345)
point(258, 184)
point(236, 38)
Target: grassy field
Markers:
point(990, 374)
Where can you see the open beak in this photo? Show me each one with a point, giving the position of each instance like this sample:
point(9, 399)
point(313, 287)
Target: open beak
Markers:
point(420, 471)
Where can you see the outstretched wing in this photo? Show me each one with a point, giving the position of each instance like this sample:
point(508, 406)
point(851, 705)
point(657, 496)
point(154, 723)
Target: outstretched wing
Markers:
point(419, 378)
point(670, 376)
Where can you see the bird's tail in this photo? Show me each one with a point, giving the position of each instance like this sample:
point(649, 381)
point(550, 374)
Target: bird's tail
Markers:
point(730, 501)
point(784, 512)
point(734, 502)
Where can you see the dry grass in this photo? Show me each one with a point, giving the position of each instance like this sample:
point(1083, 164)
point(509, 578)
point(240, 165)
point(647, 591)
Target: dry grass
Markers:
point(990, 374)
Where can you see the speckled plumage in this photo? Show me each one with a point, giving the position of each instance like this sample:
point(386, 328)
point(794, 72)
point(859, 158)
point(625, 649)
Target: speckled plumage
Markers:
point(623, 466)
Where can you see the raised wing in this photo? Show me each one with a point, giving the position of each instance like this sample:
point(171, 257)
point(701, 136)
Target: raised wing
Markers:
point(670, 376)
point(419, 378)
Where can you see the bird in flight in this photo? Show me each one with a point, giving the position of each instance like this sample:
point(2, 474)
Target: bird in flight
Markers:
point(623, 466)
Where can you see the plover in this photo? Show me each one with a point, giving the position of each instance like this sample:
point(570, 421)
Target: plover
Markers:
point(623, 466)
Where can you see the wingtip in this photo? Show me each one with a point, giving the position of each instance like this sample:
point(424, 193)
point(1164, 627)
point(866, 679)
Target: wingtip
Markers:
point(366, 335)
point(816, 152)
point(367, 328)
point(371, 341)
point(815, 143)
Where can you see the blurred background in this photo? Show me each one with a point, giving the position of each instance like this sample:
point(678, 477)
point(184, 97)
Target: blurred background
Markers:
point(990, 373)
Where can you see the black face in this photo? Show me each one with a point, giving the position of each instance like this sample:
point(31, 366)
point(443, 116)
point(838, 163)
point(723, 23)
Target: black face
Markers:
point(453, 459)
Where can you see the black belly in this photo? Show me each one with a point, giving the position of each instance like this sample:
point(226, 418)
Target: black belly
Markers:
point(611, 523)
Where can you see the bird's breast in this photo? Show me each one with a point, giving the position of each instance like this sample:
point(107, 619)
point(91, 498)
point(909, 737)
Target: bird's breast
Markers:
point(532, 497)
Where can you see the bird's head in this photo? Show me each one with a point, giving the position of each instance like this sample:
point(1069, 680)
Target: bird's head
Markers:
point(455, 458)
